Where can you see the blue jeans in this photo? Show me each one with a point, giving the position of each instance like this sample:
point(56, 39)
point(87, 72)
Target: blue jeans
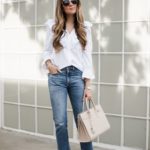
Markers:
point(70, 82)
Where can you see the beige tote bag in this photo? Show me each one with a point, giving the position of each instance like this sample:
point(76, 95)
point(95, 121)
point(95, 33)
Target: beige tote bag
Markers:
point(92, 122)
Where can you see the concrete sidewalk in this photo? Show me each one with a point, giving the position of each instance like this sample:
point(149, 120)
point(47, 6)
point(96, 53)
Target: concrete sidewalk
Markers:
point(10, 140)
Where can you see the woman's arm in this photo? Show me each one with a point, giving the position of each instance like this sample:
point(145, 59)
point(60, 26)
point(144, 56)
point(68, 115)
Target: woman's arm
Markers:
point(88, 71)
point(87, 83)
point(47, 52)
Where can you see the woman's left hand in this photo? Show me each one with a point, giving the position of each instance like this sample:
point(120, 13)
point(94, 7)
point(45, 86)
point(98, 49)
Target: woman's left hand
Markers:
point(87, 94)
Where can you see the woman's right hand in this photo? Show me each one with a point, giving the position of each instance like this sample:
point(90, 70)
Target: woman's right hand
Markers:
point(52, 68)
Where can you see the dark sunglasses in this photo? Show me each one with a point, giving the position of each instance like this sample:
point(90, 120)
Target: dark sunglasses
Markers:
point(67, 2)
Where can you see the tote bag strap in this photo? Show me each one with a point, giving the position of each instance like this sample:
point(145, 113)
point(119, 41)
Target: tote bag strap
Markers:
point(87, 106)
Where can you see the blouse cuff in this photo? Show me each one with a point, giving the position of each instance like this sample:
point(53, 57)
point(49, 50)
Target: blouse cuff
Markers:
point(88, 73)
point(44, 61)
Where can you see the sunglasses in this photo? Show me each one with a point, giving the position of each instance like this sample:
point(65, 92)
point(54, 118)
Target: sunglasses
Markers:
point(67, 2)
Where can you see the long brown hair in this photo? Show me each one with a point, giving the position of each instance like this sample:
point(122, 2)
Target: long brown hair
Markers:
point(59, 26)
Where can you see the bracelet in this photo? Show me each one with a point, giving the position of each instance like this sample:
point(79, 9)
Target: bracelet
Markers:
point(88, 88)
point(47, 63)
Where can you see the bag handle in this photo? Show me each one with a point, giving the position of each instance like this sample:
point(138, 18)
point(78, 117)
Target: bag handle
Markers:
point(85, 101)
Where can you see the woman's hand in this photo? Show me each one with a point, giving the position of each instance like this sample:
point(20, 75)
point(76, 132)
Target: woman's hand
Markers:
point(87, 94)
point(87, 89)
point(52, 68)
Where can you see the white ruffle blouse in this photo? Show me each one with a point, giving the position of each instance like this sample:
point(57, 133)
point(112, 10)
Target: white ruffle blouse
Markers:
point(72, 53)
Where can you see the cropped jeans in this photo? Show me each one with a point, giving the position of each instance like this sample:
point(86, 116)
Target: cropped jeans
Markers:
point(68, 81)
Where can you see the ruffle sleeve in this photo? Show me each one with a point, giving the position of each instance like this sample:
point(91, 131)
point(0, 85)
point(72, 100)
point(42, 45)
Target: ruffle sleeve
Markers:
point(48, 48)
point(88, 71)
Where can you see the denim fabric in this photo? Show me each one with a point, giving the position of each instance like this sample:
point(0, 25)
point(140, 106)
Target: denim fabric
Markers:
point(68, 81)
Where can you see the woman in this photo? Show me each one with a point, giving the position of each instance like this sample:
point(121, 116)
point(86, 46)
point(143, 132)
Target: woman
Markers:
point(67, 57)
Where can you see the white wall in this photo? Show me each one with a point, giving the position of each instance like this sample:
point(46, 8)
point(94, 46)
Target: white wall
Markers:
point(121, 56)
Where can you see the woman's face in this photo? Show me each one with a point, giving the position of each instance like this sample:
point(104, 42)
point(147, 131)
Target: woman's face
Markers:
point(70, 6)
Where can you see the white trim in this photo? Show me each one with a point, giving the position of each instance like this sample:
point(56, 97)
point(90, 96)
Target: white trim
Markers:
point(99, 71)
point(35, 100)
point(122, 86)
point(70, 110)
point(94, 53)
point(95, 83)
point(14, 1)
point(18, 83)
point(2, 111)
point(9, 1)
point(1, 102)
point(148, 92)
point(147, 121)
